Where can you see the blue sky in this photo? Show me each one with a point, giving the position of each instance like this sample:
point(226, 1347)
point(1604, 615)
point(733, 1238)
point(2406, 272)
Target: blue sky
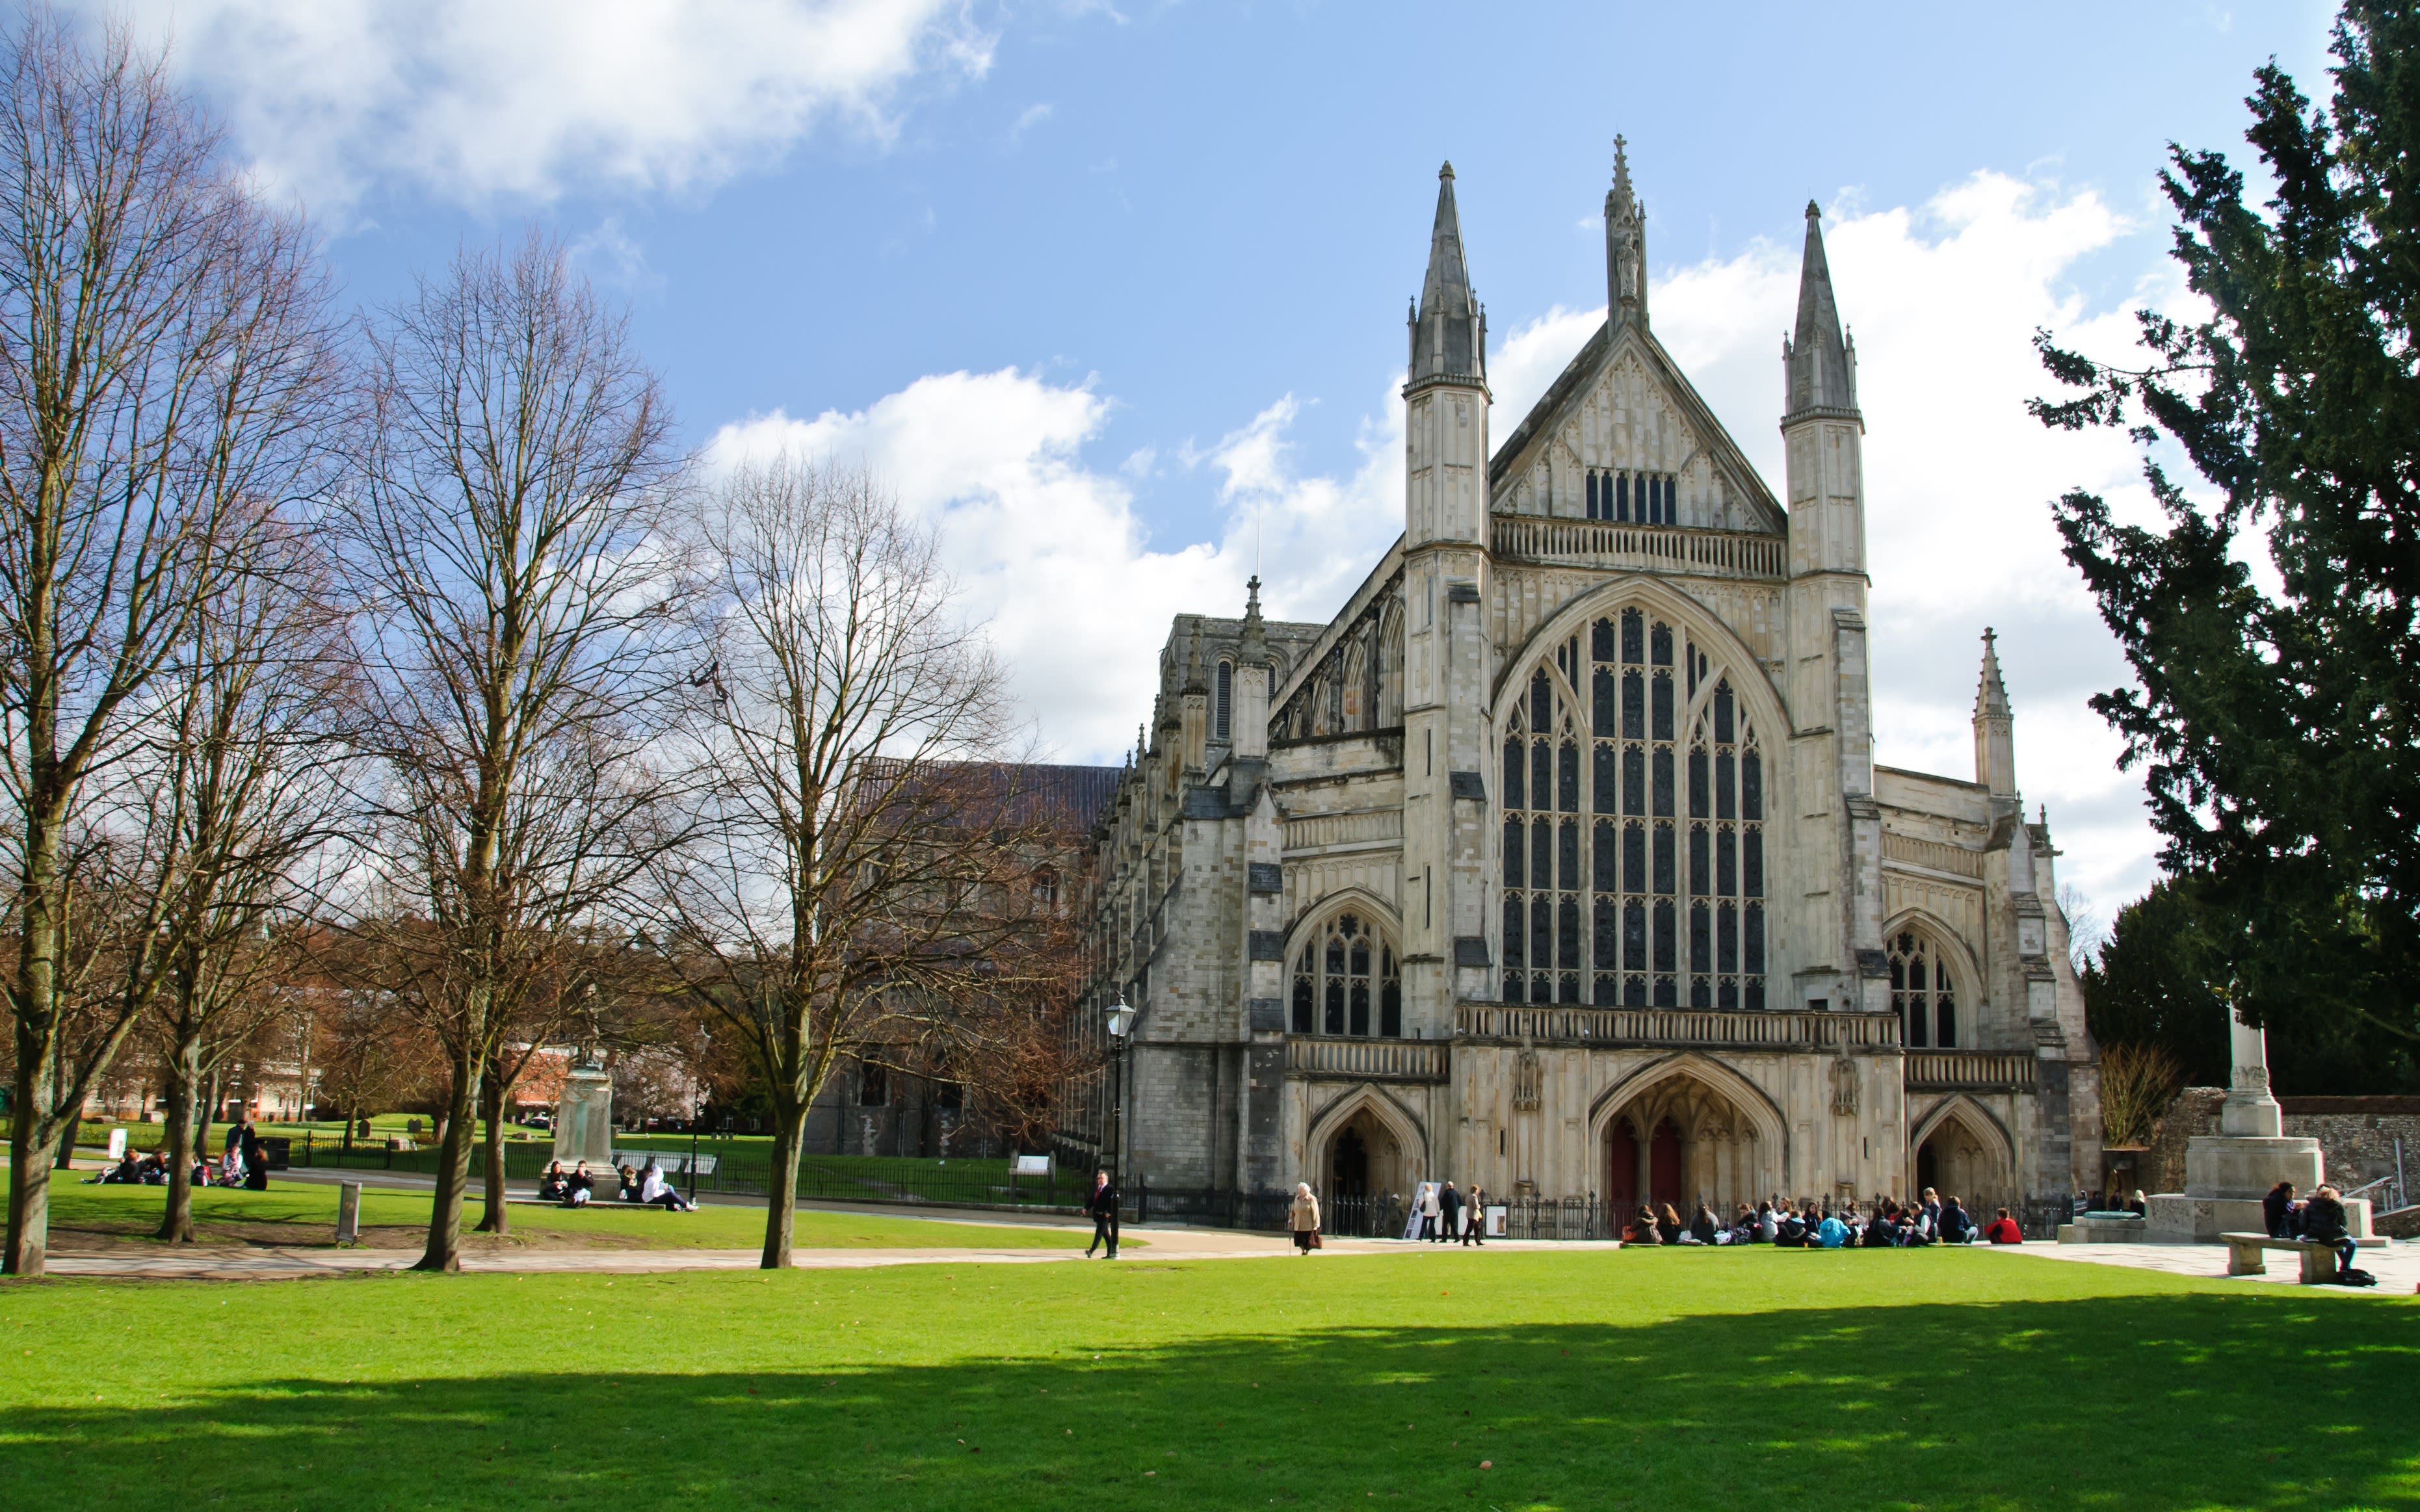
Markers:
point(1115, 293)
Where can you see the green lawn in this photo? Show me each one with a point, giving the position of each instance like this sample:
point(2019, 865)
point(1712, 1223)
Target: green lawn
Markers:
point(1659, 1380)
point(294, 1212)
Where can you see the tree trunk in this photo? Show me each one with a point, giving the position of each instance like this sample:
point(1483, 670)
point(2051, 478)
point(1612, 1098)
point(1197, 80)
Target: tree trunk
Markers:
point(30, 1159)
point(497, 1218)
point(177, 1224)
point(444, 1251)
point(782, 1201)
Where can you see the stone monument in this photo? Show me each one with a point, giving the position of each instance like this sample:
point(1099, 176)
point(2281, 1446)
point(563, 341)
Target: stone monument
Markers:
point(2228, 1173)
point(584, 1120)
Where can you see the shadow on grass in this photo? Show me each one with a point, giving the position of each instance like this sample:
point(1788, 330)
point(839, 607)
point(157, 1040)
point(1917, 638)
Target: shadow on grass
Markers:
point(2141, 1402)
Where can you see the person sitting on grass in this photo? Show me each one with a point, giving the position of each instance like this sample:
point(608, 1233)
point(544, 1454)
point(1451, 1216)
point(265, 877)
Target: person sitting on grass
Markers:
point(1765, 1227)
point(2004, 1231)
point(1884, 1226)
point(1833, 1232)
point(654, 1190)
point(629, 1189)
point(1790, 1230)
point(582, 1187)
point(122, 1174)
point(553, 1186)
point(1957, 1227)
point(1641, 1228)
point(1671, 1222)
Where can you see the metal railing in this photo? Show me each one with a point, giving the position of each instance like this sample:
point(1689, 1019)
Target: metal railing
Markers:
point(1969, 1070)
point(1377, 1061)
point(1791, 1029)
point(746, 1170)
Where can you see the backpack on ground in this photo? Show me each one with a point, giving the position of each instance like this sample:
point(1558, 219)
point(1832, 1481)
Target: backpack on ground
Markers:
point(2352, 1276)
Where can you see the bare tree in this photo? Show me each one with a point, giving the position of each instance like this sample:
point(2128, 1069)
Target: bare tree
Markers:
point(856, 891)
point(522, 609)
point(163, 365)
point(2137, 1083)
point(2086, 931)
point(239, 788)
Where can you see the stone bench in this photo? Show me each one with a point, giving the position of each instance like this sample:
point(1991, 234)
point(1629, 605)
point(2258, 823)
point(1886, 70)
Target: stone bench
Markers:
point(2243, 1255)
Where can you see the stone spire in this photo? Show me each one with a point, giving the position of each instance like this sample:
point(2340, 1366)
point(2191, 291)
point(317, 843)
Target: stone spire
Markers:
point(1819, 365)
point(1193, 683)
point(1252, 646)
point(1625, 244)
point(1996, 758)
point(1448, 329)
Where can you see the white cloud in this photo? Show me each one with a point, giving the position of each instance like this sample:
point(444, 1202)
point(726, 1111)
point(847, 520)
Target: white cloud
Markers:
point(1030, 118)
point(612, 258)
point(476, 103)
point(1942, 298)
point(1050, 552)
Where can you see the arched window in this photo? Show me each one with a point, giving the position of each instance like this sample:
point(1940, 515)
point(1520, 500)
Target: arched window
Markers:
point(1218, 719)
point(1922, 993)
point(1634, 827)
point(1347, 980)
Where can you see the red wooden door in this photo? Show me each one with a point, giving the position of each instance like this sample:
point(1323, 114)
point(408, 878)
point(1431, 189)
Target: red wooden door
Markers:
point(1621, 1164)
point(1663, 1163)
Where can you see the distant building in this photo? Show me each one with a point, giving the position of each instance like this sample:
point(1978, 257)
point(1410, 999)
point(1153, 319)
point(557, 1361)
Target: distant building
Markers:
point(1558, 860)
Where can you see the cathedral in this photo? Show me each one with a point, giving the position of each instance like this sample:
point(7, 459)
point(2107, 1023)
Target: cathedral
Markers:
point(1558, 861)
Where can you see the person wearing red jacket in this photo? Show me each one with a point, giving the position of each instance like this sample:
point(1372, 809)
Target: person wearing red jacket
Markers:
point(2004, 1231)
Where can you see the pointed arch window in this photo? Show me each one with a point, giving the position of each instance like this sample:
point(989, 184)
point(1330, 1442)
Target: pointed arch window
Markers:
point(1221, 719)
point(1634, 831)
point(1347, 980)
point(1922, 990)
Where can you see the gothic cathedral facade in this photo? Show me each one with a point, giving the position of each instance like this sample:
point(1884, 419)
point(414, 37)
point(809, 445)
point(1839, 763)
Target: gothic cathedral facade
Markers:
point(1558, 861)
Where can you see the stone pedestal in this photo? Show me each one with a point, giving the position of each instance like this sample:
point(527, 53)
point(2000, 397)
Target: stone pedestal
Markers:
point(2226, 1174)
point(584, 1120)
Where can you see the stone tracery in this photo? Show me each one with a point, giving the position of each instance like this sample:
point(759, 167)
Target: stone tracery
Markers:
point(1662, 904)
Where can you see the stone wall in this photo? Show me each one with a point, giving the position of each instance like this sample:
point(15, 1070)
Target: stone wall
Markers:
point(2356, 1135)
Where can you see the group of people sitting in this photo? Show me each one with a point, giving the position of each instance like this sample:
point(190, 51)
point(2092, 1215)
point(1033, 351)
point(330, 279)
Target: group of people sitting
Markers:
point(1810, 1224)
point(151, 1170)
point(246, 1165)
point(2318, 1218)
point(575, 1188)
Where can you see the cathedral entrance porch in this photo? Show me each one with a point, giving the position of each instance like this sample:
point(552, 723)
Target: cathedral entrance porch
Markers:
point(1360, 1167)
point(1682, 1141)
point(1961, 1153)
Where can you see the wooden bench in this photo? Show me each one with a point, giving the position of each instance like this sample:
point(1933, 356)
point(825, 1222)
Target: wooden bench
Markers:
point(2243, 1255)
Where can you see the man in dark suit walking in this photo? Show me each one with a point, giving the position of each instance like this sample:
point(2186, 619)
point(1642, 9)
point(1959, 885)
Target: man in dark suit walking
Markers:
point(1449, 1228)
point(1102, 1206)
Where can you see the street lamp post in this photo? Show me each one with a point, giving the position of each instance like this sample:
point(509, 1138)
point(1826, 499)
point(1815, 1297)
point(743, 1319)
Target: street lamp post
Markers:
point(1121, 1027)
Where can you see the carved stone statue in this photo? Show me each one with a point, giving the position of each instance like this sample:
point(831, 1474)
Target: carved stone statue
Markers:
point(1844, 1087)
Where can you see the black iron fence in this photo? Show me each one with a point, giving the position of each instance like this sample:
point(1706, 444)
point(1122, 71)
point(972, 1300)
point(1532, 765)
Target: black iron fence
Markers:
point(746, 1170)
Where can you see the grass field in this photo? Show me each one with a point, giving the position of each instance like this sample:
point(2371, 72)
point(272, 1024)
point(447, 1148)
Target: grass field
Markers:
point(1657, 1379)
point(293, 1213)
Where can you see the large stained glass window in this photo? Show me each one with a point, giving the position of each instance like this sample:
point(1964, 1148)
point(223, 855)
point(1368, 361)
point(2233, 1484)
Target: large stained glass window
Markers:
point(1347, 980)
point(1633, 851)
point(1921, 991)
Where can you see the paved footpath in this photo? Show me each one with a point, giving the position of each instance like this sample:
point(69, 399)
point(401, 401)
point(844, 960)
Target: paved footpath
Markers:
point(2396, 1266)
point(205, 1262)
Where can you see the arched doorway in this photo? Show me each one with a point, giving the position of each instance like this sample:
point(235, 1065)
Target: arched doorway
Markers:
point(1701, 1145)
point(1361, 1169)
point(1962, 1157)
point(1348, 1165)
